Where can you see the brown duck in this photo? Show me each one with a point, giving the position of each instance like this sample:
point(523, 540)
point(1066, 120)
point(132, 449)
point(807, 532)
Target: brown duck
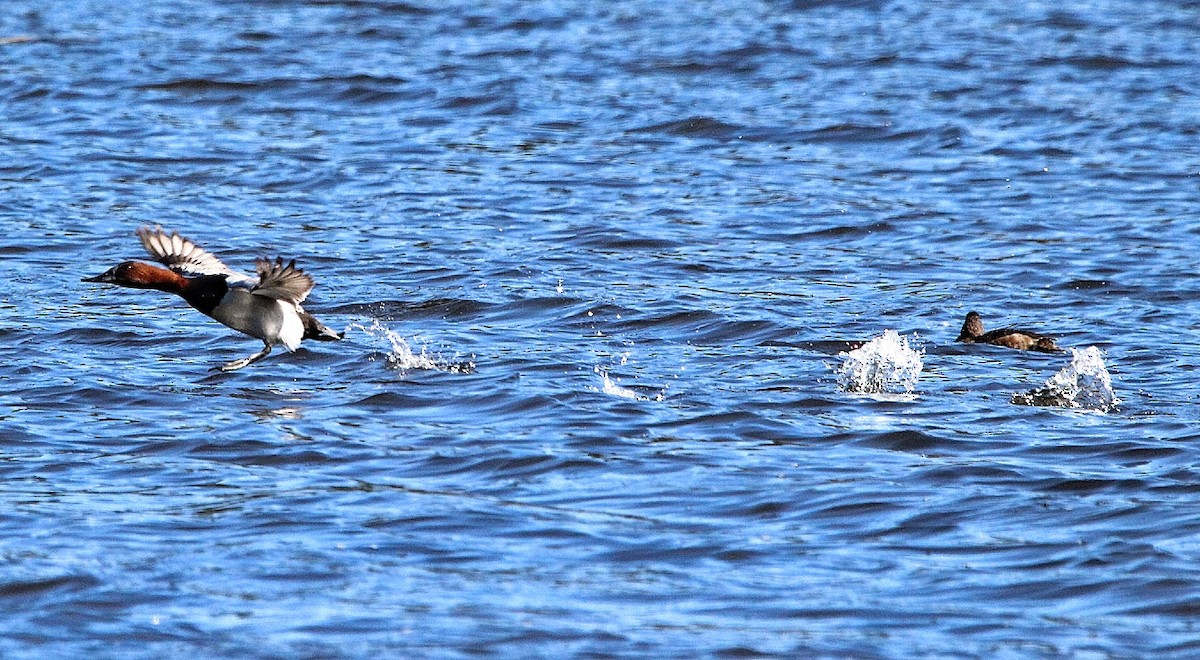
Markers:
point(1024, 340)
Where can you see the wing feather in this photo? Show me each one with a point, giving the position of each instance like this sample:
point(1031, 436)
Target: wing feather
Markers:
point(281, 282)
point(181, 255)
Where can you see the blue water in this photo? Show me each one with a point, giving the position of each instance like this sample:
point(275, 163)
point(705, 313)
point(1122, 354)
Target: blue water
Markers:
point(596, 262)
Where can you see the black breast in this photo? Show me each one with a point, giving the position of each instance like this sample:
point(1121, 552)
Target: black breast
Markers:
point(205, 292)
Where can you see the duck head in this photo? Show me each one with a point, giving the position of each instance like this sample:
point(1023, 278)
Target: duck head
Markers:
point(971, 328)
point(137, 275)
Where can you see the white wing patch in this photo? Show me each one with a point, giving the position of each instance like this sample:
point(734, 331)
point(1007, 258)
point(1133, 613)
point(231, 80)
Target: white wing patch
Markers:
point(275, 280)
point(181, 255)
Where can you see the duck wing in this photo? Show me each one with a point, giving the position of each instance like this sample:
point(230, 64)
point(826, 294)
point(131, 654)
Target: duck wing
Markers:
point(183, 256)
point(281, 282)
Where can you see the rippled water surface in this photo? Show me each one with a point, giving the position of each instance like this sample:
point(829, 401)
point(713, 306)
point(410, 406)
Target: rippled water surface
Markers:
point(598, 264)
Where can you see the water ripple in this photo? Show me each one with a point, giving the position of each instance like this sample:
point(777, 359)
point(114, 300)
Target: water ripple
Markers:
point(602, 266)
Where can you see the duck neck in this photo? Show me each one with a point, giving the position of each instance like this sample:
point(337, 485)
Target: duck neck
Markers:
point(204, 292)
point(146, 276)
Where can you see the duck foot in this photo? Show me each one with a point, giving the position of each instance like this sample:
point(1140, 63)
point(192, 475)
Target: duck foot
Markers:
point(246, 361)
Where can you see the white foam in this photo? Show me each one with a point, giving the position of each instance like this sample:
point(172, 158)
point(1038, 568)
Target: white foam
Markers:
point(609, 387)
point(1084, 383)
point(612, 388)
point(400, 355)
point(884, 365)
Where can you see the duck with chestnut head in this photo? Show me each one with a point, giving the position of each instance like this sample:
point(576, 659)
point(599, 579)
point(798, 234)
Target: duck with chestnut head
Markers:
point(266, 307)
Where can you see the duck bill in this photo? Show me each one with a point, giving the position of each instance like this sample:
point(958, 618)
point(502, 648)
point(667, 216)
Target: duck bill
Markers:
point(106, 277)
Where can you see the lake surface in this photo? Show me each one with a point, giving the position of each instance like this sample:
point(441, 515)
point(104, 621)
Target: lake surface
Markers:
point(596, 263)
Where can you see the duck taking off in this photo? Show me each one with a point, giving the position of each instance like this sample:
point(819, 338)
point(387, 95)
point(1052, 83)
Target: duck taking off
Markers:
point(266, 307)
point(1025, 340)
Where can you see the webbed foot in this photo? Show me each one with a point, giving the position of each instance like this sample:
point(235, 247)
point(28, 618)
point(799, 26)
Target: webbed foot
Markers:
point(246, 361)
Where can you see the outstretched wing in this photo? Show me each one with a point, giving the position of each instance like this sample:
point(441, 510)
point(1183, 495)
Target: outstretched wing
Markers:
point(181, 255)
point(275, 280)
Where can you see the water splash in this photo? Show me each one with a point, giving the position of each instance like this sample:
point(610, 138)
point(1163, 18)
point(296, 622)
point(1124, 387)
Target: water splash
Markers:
point(400, 355)
point(884, 365)
point(1084, 384)
point(612, 388)
point(609, 387)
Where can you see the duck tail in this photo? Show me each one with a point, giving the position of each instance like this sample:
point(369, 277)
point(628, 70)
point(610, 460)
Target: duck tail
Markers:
point(314, 329)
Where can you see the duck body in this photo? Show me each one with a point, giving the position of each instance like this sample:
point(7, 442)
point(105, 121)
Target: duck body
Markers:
point(1024, 340)
point(259, 317)
point(266, 308)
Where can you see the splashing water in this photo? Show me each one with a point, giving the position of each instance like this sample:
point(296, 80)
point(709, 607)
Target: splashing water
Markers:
point(610, 387)
point(401, 356)
point(1084, 383)
point(884, 365)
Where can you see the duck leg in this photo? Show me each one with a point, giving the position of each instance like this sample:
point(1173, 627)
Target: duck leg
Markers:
point(238, 364)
